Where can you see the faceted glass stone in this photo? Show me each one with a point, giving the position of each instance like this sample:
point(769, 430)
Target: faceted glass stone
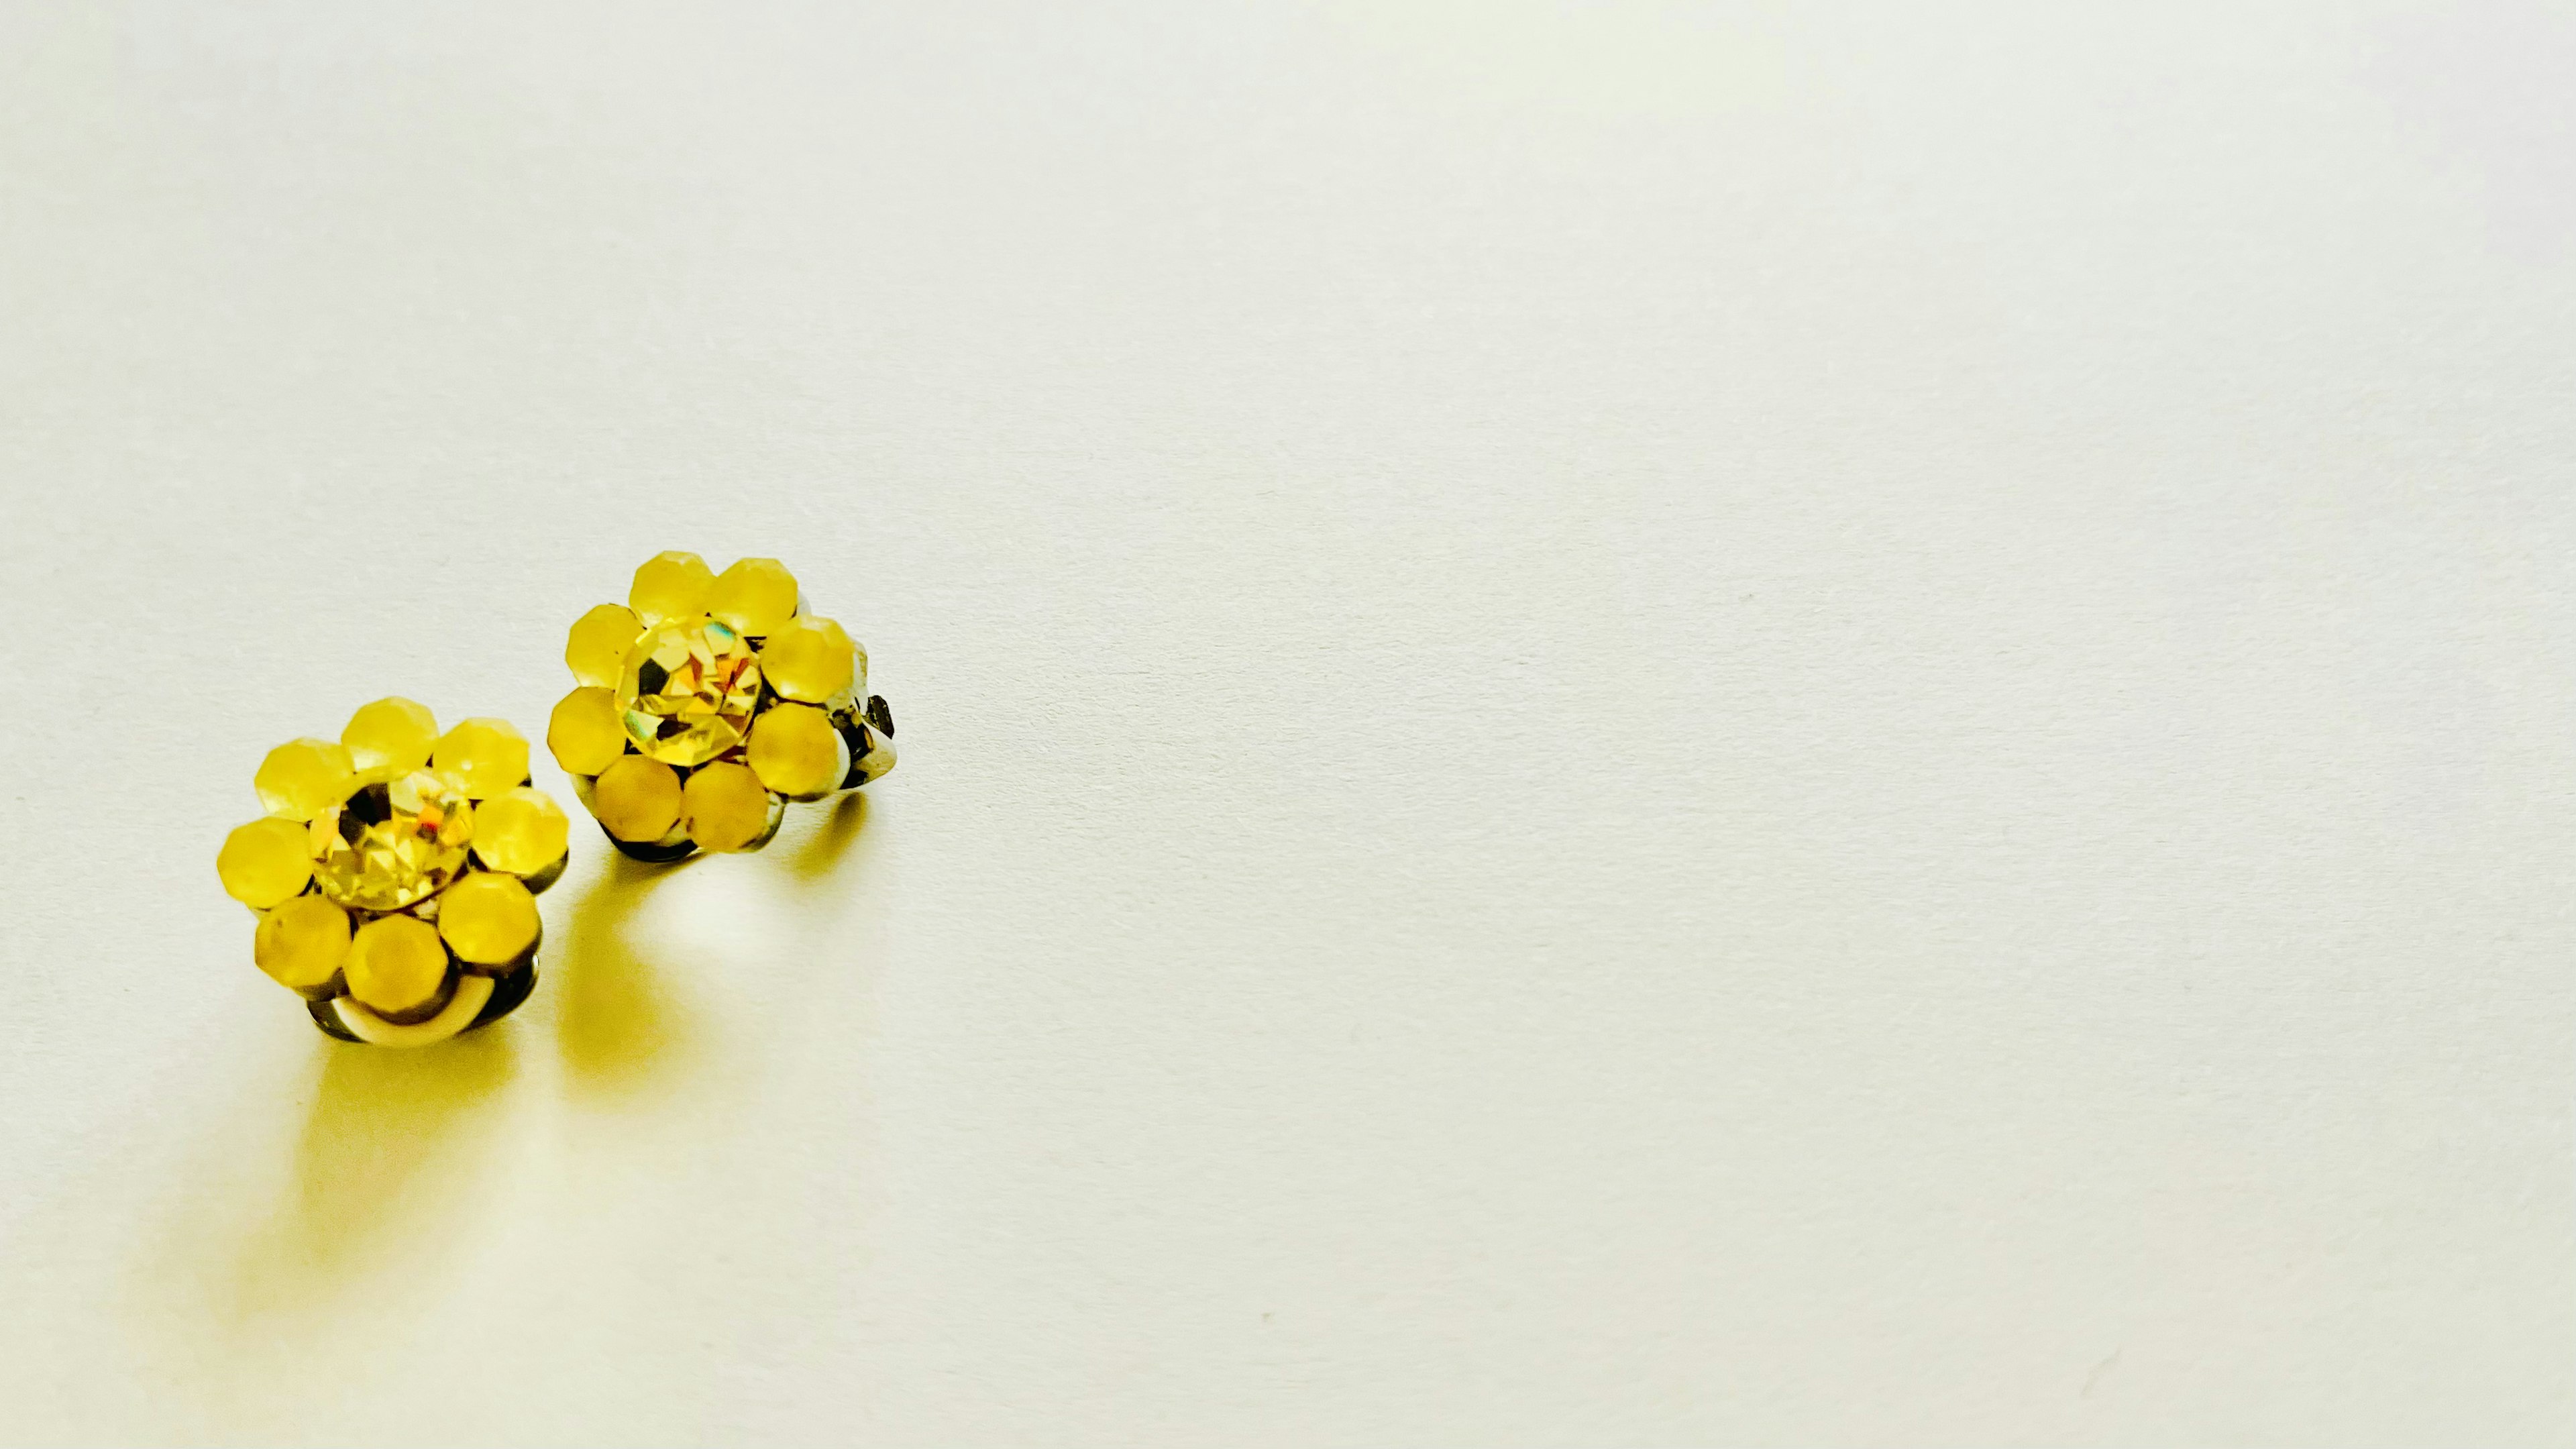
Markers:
point(392, 736)
point(637, 799)
point(391, 842)
point(726, 807)
point(796, 752)
point(488, 919)
point(808, 659)
point(598, 644)
point(482, 757)
point(301, 943)
point(264, 862)
point(585, 732)
point(671, 585)
point(520, 831)
point(755, 596)
point(396, 964)
point(688, 690)
point(300, 777)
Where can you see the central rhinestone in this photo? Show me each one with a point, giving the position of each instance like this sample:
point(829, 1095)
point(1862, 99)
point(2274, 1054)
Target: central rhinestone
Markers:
point(688, 690)
point(392, 840)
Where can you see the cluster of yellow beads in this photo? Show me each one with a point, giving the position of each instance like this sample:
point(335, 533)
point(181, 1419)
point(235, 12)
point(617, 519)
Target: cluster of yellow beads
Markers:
point(706, 702)
point(393, 861)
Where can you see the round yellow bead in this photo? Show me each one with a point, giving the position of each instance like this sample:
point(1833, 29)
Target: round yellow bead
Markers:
point(726, 806)
point(264, 862)
point(796, 752)
point(808, 659)
point(637, 799)
point(302, 942)
point(301, 778)
point(488, 918)
point(756, 596)
point(671, 585)
point(396, 964)
point(521, 831)
point(597, 648)
point(586, 732)
point(483, 757)
point(392, 735)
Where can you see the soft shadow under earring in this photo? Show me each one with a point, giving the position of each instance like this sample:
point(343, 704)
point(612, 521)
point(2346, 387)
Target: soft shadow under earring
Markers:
point(708, 703)
point(395, 875)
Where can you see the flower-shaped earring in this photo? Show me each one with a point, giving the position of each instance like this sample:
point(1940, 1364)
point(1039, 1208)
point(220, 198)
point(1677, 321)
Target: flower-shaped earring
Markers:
point(396, 872)
point(708, 703)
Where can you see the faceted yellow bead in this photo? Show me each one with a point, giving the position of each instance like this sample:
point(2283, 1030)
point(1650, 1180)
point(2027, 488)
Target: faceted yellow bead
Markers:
point(585, 731)
point(520, 831)
point(671, 585)
point(264, 862)
point(301, 942)
point(599, 643)
point(796, 752)
point(726, 807)
point(688, 690)
point(391, 735)
point(484, 757)
point(396, 964)
point(637, 799)
point(756, 596)
point(808, 659)
point(300, 777)
point(488, 918)
point(391, 842)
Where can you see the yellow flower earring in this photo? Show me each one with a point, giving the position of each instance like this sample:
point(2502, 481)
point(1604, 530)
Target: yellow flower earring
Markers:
point(396, 872)
point(707, 703)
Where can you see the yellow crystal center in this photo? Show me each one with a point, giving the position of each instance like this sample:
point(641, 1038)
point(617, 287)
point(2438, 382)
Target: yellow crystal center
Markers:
point(688, 690)
point(391, 841)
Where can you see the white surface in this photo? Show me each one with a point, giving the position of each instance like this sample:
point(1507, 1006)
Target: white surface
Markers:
point(1667, 727)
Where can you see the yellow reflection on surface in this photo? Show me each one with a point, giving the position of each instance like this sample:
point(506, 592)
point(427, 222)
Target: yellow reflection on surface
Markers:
point(622, 1026)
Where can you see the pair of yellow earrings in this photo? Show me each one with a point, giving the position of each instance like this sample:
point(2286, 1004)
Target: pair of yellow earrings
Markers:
point(396, 872)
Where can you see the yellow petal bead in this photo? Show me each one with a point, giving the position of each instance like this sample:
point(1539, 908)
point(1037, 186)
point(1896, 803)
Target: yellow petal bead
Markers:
point(521, 831)
point(396, 964)
point(301, 778)
point(488, 919)
point(809, 660)
point(392, 736)
point(671, 585)
point(726, 807)
point(796, 752)
point(264, 862)
point(597, 648)
point(586, 732)
point(637, 799)
point(756, 596)
point(482, 757)
point(301, 943)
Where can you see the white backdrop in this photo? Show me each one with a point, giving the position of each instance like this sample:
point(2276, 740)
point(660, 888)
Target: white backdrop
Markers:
point(1627, 725)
